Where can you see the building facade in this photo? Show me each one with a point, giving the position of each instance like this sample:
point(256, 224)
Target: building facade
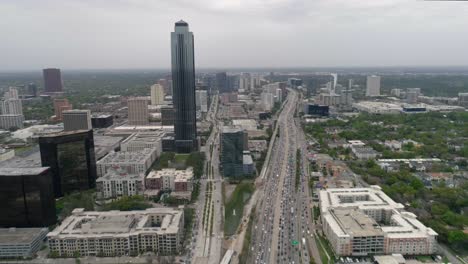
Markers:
point(133, 162)
point(183, 83)
point(60, 105)
point(52, 80)
point(232, 152)
point(119, 233)
point(21, 242)
point(143, 140)
point(373, 86)
point(27, 197)
point(138, 111)
point(70, 156)
point(170, 179)
point(76, 120)
point(118, 183)
point(157, 94)
point(102, 120)
point(11, 121)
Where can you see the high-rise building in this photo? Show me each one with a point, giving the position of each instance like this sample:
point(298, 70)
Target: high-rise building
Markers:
point(201, 100)
point(222, 82)
point(27, 197)
point(32, 89)
point(267, 101)
point(60, 105)
point(157, 94)
point(463, 99)
point(77, 120)
point(102, 120)
point(11, 105)
point(232, 151)
point(70, 156)
point(373, 86)
point(138, 111)
point(167, 115)
point(52, 80)
point(183, 82)
point(244, 81)
point(11, 121)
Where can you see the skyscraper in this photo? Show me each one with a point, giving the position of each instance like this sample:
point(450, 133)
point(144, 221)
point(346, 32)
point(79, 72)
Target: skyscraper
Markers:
point(232, 147)
point(183, 86)
point(76, 120)
point(32, 89)
point(52, 80)
point(157, 94)
point(138, 111)
point(70, 156)
point(12, 110)
point(373, 86)
point(222, 82)
point(60, 105)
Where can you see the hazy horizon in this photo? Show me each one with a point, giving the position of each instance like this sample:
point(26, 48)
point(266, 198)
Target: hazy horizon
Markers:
point(134, 34)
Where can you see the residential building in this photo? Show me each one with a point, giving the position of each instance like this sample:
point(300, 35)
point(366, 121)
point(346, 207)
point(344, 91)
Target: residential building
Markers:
point(373, 86)
point(119, 233)
point(157, 94)
point(11, 105)
point(138, 111)
point(183, 82)
point(27, 197)
point(60, 105)
point(170, 179)
point(52, 80)
point(267, 101)
point(71, 158)
point(143, 140)
point(364, 152)
point(133, 162)
point(365, 221)
point(231, 151)
point(21, 242)
point(76, 120)
point(118, 182)
point(244, 81)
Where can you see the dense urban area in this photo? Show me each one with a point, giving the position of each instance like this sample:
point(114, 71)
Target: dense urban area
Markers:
point(338, 165)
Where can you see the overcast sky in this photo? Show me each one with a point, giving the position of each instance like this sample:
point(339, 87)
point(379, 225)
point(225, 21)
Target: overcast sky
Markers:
point(104, 34)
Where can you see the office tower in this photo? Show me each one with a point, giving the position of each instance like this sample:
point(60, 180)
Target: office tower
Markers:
point(183, 84)
point(157, 94)
point(11, 121)
point(60, 105)
point(335, 80)
point(27, 197)
point(233, 83)
point(102, 120)
point(32, 89)
point(70, 156)
point(232, 149)
point(201, 100)
point(77, 120)
point(267, 101)
point(254, 82)
point(138, 111)
point(373, 86)
point(52, 80)
point(244, 81)
point(222, 82)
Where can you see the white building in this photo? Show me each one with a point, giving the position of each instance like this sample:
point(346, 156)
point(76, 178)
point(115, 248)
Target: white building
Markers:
point(267, 101)
point(378, 107)
point(117, 183)
point(9, 121)
point(157, 94)
point(119, 233)
point(170, 179)
point(201, 100)
point(21, 242)
point(373, 86)
point(133, 162)
point(138, 111)
point(365, 221)
point(76, 120)
point(11, 105)
point(244, 81)
point(364, 152)
point(142, 140)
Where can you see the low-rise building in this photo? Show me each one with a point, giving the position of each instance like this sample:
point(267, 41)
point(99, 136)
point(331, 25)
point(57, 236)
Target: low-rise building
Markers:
point(21, 242)
point(170, 179)
point(134, 162)
point(364, 152)
point(119, 233)
point(365, 221)
point(142, 140)
point(248, 165)
point(117, 183)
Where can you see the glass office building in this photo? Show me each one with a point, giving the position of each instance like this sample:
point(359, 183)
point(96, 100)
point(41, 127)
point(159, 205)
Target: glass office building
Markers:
point(232, 150)
point(70, 155)
point(27, 197)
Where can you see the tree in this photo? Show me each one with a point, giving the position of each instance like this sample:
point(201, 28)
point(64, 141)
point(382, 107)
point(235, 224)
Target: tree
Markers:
point(457, 236)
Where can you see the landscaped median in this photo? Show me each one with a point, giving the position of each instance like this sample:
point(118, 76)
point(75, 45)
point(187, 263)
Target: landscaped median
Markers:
point(234, 206)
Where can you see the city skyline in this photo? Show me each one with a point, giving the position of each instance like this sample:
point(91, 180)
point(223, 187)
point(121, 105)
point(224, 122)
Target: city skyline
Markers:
point(288, 33)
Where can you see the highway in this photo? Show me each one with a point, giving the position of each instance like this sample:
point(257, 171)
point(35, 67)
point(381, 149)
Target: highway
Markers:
point(282, 228)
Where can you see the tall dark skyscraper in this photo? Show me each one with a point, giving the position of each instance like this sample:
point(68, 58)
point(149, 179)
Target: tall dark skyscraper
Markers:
point(70, 156)
point(52, 80)
point(222, 82)
point(32, 89)
point(183, 86)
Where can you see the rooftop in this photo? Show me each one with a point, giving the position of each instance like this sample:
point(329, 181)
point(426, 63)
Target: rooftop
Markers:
point(139, 156)
point(19, 235)
point(22, 171)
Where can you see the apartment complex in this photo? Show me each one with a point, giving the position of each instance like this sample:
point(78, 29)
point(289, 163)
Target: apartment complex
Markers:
point(170, 180)
point(119, 233)
point(142, 140)
point(365, 221)
point(117, 183)
point(133, 162)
